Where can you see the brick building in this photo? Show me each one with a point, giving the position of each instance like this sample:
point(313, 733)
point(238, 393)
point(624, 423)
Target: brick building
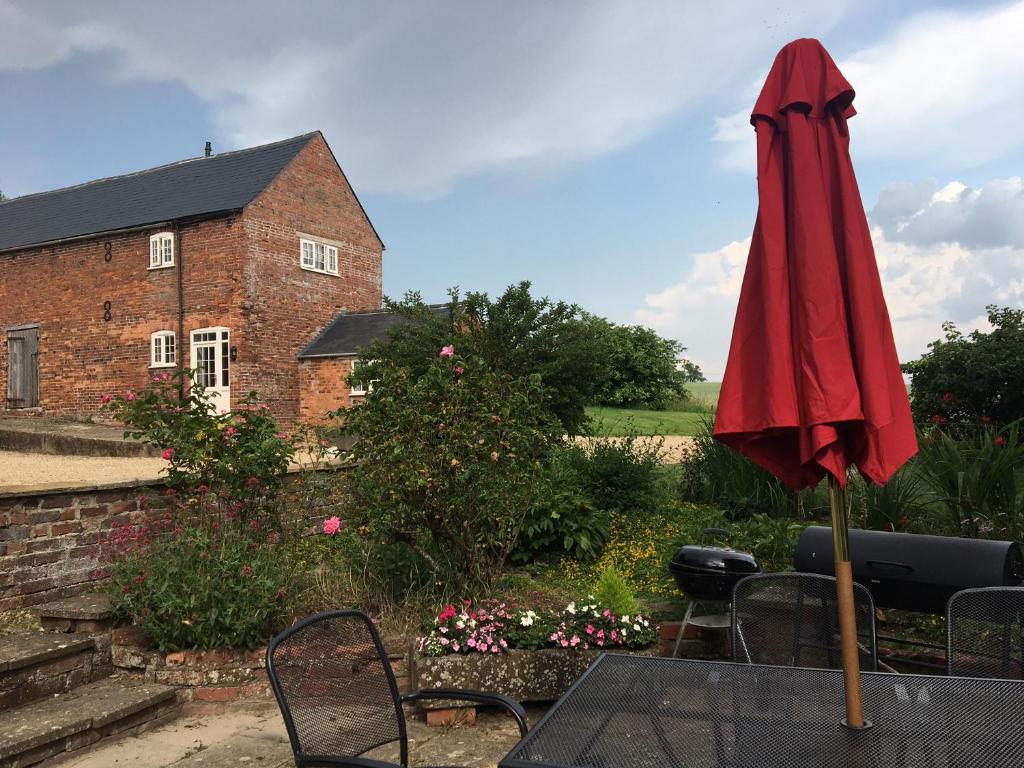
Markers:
point(229, 264)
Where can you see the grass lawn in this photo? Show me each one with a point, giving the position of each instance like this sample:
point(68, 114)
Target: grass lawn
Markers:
point(619, 421)
point(705, 392)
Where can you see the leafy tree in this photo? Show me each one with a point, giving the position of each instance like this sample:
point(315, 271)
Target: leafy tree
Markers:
point(450, 462)
point(641, 366)
point(972, 378)
point(690, 370)
point(516, 335)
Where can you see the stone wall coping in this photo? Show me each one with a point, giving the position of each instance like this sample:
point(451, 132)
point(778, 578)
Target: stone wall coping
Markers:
point(46, 489)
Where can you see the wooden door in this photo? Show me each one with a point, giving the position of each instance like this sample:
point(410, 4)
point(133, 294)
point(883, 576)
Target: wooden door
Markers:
point(23, 367)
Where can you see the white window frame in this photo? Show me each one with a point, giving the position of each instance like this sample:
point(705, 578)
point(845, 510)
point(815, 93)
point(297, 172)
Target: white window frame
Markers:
point(161, 250)
point(361, 390)
point(163, 361)
point(312, 251)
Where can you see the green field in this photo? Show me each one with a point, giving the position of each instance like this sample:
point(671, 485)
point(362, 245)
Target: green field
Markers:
point(620, 421)
point(704, 392)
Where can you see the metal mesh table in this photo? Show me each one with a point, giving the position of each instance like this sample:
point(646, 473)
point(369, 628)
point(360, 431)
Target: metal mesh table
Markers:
point(641, 712)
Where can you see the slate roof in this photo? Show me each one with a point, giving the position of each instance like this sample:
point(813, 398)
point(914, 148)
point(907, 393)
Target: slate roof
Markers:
point(194, 187)
point(349, 332)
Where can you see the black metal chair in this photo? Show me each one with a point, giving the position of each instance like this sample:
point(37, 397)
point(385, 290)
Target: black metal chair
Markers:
point(791, 620)
point(985, 633)
point(338, 695)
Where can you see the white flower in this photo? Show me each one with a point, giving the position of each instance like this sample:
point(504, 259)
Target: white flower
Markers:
point(625, 619)
point(636, 627)
point(571, 608)
point(527, 619)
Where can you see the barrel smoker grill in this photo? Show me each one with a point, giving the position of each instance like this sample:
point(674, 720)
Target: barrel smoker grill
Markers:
point(914, 572)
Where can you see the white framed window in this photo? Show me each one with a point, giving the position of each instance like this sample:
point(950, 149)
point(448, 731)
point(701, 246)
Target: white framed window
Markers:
point(318, 257)
point(361, 388)
point(161, 250)
point(163, 349)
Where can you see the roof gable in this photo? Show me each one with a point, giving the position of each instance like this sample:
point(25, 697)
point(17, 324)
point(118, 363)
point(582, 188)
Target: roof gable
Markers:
point(194, 187)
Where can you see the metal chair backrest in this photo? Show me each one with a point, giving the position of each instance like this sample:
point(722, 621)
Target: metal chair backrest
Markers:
point(985, 633)
point(334, 684)
point(791, 620)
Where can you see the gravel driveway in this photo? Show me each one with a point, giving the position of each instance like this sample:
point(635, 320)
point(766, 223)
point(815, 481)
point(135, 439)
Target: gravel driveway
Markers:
point(30, 471)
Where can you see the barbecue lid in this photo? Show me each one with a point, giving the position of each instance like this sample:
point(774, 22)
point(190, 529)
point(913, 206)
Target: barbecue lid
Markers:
point(723, 559)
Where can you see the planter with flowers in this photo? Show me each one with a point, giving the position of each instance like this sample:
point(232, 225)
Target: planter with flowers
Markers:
point(530, 655)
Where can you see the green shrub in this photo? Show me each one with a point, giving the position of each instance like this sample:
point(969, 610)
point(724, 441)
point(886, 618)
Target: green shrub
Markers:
point(450, 463)
point(964, 379)
point(614, 593)
point(977, 480)
point(565, 520)
point(622, 473)
point(193, 584)
point(716, 474)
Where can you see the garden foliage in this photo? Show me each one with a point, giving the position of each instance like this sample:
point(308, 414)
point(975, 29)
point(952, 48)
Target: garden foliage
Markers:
point(450, 462)
point(965, 378)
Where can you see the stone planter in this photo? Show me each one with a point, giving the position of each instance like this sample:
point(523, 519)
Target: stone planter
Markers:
point(542, 675)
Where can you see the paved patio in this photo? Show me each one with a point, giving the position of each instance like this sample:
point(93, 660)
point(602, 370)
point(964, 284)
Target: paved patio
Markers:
point(253, 733)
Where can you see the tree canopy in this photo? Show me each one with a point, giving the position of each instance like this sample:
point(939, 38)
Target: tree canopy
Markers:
point(974, 377)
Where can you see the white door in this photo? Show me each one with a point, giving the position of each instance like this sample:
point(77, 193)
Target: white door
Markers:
point(211, 362)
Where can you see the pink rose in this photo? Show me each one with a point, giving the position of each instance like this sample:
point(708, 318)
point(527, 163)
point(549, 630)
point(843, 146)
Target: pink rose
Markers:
point(459, 370)
point(448, 351)
point(230, 432)
point(129, 395)
point(332, 525)
point(167, 454)
point(106, 398)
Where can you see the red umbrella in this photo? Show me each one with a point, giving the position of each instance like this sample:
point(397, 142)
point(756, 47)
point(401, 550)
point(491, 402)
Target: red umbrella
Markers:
point(813, 385)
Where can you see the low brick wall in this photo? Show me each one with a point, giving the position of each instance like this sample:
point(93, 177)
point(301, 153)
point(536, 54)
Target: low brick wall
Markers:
point(219, 675)
point(49, 542)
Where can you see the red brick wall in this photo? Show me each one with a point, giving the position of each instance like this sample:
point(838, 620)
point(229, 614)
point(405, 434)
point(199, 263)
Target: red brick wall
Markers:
point(50, 542)
point(323, 387)
point(286, 304)
point(64, 287)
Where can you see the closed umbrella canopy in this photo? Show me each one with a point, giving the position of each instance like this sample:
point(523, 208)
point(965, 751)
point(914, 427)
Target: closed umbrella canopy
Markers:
point(813, 383)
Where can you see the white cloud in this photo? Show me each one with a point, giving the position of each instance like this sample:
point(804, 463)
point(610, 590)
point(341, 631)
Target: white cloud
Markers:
point(27, 41)
point(934, 262)
point(941, 83)
point(414, 96)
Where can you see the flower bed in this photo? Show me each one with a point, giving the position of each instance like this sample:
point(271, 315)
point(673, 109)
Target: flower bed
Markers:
point(531, 655)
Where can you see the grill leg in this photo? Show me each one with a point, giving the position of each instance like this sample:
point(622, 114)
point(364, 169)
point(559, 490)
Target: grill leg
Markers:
point(682, 628)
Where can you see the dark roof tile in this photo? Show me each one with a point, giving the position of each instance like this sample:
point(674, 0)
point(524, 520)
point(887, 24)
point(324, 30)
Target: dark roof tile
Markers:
point(194, 187)
point(350, 332)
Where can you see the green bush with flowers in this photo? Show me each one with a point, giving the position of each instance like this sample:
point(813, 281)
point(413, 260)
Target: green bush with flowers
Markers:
point(494, 627)
point(198, 583)
point(242, 454)
point(450, 462)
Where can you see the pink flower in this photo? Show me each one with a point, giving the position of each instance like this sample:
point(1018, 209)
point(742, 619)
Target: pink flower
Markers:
point(455, 647)
point(106, 398)
point(247, 570)
point(564, 643)
point(283, 436)
point(471, 642)
point(164, 377)
point(203, 489)
point(495, 649)
point(445, 641)
point(167, 454)
point(332, 525)
point(482, 647)
point(590, 629)
point(230, 432)
point(999, 442)
point(129, 395)
point(575, 641)
point(447, 351)
point(554, 636)
point(459, 370)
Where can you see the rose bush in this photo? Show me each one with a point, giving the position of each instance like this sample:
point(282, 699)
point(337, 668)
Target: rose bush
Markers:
point(450, 462)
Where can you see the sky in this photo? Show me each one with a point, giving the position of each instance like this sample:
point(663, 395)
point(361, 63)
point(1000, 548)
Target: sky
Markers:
point(600, 149)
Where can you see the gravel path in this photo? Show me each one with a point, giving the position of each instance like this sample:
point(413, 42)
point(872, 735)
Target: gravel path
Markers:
point(25, 471)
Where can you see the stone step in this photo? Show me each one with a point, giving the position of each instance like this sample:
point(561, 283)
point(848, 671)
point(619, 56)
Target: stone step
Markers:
point(34, 665)
point(80, 718)
point(84, 613)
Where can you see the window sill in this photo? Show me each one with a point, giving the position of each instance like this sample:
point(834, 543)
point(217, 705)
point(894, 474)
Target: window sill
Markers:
point(163, 365)
point(319, 271)
point(161, 266)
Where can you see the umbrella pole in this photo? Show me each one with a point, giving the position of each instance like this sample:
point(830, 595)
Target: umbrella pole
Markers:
point(844, 602)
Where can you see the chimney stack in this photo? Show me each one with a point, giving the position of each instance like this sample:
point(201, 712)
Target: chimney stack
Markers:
point(209, 149)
